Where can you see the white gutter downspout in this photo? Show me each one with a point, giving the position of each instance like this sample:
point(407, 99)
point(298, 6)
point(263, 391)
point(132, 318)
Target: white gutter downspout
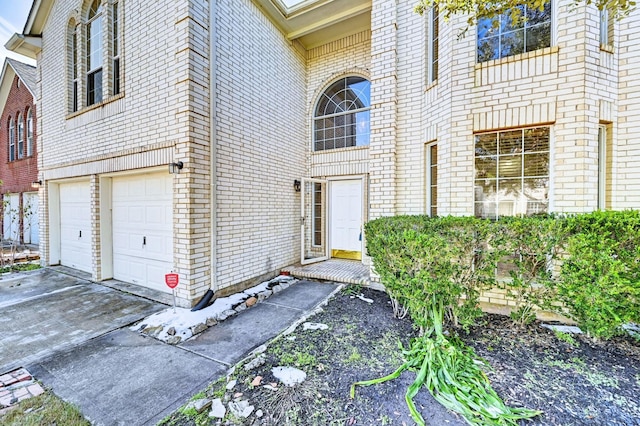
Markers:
point(213, 146)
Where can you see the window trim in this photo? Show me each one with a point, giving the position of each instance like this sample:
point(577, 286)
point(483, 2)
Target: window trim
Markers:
point(350, 112)
point(432, 44)
point(552, 37)
point(431, 209)
point(522, 177)
point(20, 138)
point(12, 140)
point(29, 132)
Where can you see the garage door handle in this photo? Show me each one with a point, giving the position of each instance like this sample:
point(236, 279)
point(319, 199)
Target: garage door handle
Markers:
point(144, 241)
point(79, 234)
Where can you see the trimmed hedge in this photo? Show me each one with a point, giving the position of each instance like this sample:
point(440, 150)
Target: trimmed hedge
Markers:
point(586, 267)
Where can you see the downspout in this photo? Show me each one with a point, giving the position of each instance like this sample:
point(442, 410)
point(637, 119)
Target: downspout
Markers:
point(213, 165)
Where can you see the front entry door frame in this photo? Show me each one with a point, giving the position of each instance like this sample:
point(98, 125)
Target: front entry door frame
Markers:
point(305, 222)
point(332, 219)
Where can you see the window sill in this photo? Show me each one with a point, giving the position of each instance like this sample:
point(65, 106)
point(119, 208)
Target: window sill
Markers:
point(517, 58)
point(606, 48)
point(348, 148)
point(431, 85)
point(95, 106)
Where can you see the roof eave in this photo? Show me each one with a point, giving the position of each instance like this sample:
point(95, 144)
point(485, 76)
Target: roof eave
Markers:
point(28, 46)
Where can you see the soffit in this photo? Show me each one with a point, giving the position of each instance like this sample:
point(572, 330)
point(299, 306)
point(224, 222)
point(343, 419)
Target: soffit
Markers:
point(315, 22)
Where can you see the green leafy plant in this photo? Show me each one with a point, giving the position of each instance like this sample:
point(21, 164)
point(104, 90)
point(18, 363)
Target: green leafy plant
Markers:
point(437, 269)
point(528, 247)
point(566, 337)
point(599, 285)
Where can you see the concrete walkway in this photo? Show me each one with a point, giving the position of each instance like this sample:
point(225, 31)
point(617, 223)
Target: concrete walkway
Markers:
point(119, 377)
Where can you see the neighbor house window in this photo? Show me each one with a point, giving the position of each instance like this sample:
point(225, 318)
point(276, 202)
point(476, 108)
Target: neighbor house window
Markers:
point(604, 166)
point(29, 133)
point(75, 84)
point(341, 116)
point(20, 136)
point(432, 179)
point(433, 32)
point(512, 172)
point(94, 53)
point(501, 36)
point(12, 140)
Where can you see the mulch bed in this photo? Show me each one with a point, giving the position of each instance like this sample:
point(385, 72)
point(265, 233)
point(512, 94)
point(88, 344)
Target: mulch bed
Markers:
point(574, 381)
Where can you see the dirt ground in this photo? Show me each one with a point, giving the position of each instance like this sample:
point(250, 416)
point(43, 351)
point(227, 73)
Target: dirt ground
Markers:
point(573, 380)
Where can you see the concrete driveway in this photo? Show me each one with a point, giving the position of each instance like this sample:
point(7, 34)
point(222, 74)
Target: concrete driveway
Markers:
point(44, 311)
point(70, 334)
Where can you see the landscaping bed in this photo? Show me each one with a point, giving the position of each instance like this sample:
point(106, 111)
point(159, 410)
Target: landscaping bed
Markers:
point(572, 379)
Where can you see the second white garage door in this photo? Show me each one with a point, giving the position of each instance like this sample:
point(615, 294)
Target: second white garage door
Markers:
point(143, 229)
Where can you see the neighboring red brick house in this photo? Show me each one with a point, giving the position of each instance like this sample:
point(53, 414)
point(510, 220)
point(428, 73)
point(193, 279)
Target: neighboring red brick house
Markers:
point(18, 155)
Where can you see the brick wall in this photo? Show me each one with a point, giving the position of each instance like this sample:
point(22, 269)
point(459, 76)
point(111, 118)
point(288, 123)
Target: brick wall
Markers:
point(261, 128)
point(17, 176)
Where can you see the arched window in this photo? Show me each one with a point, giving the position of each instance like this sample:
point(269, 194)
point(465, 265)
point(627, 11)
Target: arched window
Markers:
point(20, 136)
point(94, 53)
point(341, 117)
point(12, 140)
point(29, 133)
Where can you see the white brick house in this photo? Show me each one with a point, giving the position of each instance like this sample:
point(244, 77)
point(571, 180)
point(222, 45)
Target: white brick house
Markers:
point(343, 97)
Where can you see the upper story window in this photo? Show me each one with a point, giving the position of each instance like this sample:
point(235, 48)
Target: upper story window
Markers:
point(512, 172)
point(341, 117)
point(20, 136)
point(94, 53)
point(501, 36)
point(606, 28)
point(94, 48)
point(29, 133)
point(12, 140)
point(433, 36)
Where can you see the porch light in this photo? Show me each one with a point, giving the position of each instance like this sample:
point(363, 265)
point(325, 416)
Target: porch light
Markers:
point(296, 185)
point(174, 168)
point(36, 184)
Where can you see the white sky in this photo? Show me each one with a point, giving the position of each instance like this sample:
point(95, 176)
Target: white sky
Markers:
point(13, 16)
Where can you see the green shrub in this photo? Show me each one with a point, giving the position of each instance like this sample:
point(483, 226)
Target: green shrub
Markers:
point(528, 247)
point(433, 263)
point(599, 283)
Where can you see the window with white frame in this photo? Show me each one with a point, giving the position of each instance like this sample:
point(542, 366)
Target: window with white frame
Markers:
point(606, 28)
point(341, 116)
point(512, 172)
point(604, 166)
point(503, 36)
point(433, 38)
point(29, 133)
point(432, 179)
point(115, 43)
point(20, 136)
point(12, 140)
point(94, 55)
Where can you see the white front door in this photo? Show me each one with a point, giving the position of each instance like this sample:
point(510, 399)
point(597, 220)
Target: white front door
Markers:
point(346, 218)
point(142, 217)
point(31, 231)
point(75, 225)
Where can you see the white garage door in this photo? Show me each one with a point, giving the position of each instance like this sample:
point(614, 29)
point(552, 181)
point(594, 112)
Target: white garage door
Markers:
point(143, 229)
point(31, 221)
point(75, 225)
point(11, 208)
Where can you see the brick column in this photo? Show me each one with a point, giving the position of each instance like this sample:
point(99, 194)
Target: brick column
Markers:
point(382, 150)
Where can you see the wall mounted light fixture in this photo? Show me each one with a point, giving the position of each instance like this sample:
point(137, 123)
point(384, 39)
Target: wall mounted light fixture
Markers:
point(296, 185)
point(174, 168)
point(36, 184)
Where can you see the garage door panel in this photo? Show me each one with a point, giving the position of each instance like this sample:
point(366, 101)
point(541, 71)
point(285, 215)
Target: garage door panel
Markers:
point(143, 229)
